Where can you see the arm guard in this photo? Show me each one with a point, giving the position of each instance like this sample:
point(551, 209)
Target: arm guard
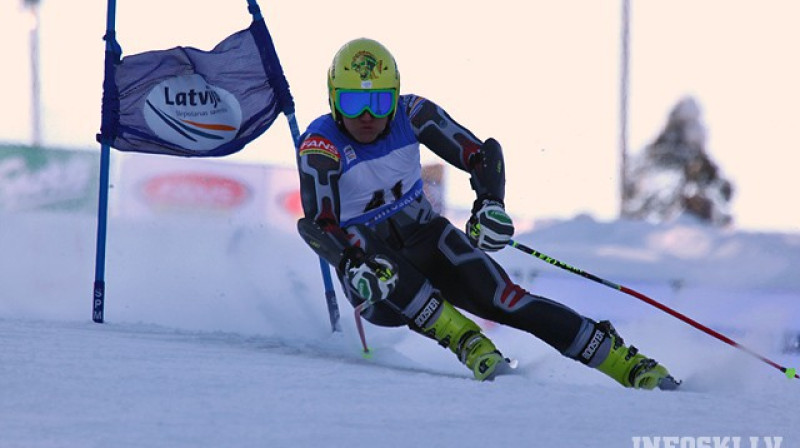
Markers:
point(331, 246)
point(319, 176)
point(459, 147)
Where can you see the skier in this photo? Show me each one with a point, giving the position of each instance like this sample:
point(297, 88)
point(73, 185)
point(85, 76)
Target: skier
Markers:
point(366, 214)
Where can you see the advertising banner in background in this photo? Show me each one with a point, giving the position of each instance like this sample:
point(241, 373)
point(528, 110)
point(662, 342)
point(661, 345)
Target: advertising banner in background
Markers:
point(433, 185)
point(156, 187)
point(147, 187)
point(48, 179)
point(151, 187)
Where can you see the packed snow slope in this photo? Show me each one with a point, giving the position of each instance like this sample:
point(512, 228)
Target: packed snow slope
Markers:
point(217, 335)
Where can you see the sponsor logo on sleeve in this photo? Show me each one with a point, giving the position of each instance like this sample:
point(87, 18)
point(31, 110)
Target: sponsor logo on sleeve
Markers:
point(349, 153)
point(321, 146)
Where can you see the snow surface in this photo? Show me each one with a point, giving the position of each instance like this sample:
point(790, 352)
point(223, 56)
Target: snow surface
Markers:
point(217, 336)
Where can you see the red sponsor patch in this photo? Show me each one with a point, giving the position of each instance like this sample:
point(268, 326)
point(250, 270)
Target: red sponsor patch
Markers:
point(321, 146)
point(195, 191)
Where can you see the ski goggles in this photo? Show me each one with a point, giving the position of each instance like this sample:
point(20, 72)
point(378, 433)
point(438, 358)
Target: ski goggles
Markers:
point(353, 103)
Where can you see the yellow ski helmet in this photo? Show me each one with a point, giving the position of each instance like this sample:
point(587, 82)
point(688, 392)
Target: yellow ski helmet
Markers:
point(363, 76)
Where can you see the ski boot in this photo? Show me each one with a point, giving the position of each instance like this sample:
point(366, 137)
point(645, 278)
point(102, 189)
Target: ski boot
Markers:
point(453, 330)
point(630, 368)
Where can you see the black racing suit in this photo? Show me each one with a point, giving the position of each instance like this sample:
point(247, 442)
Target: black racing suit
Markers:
point(432, 255)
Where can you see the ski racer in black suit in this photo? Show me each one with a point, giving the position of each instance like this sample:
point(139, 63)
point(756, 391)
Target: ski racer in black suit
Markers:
point(366, 214)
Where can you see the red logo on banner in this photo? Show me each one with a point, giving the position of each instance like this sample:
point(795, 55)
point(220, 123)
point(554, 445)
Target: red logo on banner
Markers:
point(195, 191)
point(292, 203)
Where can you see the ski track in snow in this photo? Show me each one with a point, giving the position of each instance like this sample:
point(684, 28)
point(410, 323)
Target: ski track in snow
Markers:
point(79, 384)
point(217, 336)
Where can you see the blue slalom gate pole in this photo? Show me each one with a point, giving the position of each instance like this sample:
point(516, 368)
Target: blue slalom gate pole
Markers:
point(111, 57)
point(288, 110)
point(99, 294)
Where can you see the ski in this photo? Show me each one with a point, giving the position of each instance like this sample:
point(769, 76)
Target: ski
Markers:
point(506, 367)
point(669, 383)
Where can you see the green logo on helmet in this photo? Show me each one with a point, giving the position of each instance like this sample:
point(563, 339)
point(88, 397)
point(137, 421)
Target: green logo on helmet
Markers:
point(366, 65)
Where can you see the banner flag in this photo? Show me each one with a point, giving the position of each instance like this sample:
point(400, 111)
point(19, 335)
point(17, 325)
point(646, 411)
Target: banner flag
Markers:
point(193, 103)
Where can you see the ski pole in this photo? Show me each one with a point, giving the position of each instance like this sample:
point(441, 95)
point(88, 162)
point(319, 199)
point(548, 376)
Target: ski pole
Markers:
point(789, 372)
point(360, 327)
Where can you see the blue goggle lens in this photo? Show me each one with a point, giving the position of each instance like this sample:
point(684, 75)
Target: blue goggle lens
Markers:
point(352, 103)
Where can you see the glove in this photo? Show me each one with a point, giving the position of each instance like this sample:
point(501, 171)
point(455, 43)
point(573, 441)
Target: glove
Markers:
point(489, 228)
point(373, 277)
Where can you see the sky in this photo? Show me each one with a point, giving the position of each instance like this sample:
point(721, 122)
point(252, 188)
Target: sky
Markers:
point(231, 346)
point(542, 77)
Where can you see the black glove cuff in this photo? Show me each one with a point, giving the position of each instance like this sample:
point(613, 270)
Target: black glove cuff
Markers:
point(483, 198)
